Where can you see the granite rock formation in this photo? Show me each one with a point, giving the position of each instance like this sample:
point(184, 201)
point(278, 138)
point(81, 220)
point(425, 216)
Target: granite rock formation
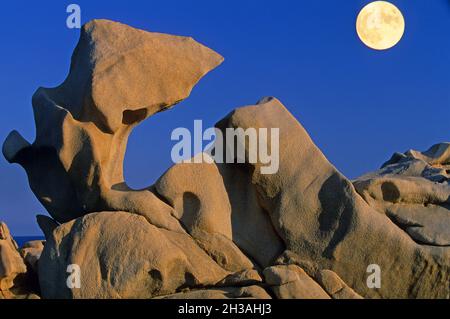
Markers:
point(119, 76)
point(326, 224)
point(15, 281)
point(215, 230)
point(413, 190)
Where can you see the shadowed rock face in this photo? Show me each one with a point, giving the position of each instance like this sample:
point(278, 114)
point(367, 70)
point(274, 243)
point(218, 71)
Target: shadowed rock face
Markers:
point(215, 230)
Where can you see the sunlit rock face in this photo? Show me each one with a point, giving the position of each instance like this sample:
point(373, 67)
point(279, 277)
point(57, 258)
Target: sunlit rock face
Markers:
point(325, 222)
point(119, 76)
point(11, 264)
point(16, 282)
point(413, 189)
point(215, 230)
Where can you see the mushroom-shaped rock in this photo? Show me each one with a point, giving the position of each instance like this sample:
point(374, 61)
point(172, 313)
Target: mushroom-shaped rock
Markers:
point(118, 77)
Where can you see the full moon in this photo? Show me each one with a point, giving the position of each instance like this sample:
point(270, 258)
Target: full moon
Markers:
point(380, 25)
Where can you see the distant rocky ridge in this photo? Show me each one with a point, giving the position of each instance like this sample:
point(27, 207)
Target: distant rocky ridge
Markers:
point(412, 189)
point(211, 230)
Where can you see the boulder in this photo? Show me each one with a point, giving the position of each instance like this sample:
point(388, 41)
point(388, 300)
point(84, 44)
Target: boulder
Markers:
point(335, 286)
point(121, 255)
point(223, 251)
point(16, 281)
point(31, 252)
point(318, 214)
point(413, 190)
point(12, 265)
point(282, 274)
point(245, 277)
point(198, 196)
point(197, 193)
point(292, 282)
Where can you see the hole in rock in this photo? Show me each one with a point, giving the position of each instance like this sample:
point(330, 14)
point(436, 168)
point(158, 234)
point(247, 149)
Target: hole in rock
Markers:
point(133, 116)
point(149, 147)
point(390, 192)
point(148, 150)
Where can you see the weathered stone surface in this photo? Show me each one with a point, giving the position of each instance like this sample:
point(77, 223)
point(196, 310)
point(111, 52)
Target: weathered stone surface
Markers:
point(245, 277)
point(438, 154)
point(208, 230)
point(253, 231)
point(292, 282)
point(428, 224)
point(121, 255)
point(11, 264)
point(320, 216)
point(31, 252)
point(334, 286)
point(199, 195)
point(403, 189)
point(413, 190)
point(281, 274)
point(119, 76)
point(16, 280)
point(223, 251)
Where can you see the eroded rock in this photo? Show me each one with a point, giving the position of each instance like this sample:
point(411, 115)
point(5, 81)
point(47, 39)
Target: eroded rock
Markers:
point(121, 255)
point(11, 263)
point(16, 280)
point(207, 230)
point(413, 190)
point(119, 76)
point(31, 252)
point(292, 282)
point(320, 216)
point(335, 286)
point(199, 196)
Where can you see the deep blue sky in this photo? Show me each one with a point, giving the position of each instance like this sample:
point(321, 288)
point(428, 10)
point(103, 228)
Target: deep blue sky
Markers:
point(359, 105)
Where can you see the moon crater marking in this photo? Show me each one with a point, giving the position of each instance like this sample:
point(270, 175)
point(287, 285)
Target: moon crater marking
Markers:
point(380, 25)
